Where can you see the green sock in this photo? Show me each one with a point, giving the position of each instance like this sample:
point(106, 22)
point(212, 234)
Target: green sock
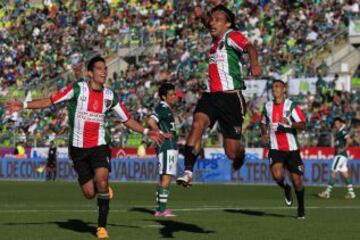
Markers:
point(162, 195)
point(331, 184)
point(349, 185)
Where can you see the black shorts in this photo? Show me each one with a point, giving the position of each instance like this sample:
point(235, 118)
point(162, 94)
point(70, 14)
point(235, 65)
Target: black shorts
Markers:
point(227, 108)
point(51, 165)
point(86, 160)
point(291, 160)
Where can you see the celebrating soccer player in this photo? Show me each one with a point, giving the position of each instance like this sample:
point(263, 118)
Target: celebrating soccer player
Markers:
point(281, 120)
point(163, 119)
point(89, 142)
point(342, 142)
point(223, 103)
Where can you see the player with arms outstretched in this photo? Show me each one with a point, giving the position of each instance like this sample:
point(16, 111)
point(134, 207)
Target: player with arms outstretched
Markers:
point(87, 103)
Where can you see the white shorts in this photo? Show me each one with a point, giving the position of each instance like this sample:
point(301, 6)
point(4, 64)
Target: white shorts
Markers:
point(339, 164)
point(168, 162)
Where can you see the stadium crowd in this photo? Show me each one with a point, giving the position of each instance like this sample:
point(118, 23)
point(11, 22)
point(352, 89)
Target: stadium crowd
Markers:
point(39, 43)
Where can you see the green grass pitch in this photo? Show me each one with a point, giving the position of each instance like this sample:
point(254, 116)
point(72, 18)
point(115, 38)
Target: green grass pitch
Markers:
point(57, 210)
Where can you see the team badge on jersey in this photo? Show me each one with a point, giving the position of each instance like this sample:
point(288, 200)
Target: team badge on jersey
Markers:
point(237, 130)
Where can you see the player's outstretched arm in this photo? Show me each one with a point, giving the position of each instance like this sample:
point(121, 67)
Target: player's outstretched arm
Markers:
point(16, 105)
point(153, 124)
point(155, 136)
point(255, 67)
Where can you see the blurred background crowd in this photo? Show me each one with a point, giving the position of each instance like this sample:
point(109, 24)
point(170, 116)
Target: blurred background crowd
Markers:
point(44, 45)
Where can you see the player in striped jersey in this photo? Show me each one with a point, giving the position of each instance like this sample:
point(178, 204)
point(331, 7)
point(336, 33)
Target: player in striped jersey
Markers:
point(88, 142)
point(342, 142)
point(163, 119)
point(223, 103)
point(281, 120)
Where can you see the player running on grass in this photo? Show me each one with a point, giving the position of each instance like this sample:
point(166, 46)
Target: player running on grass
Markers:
point(163, 119)
point(281, 120)
point(88, 141)
point(223, 102)
point(342, 142)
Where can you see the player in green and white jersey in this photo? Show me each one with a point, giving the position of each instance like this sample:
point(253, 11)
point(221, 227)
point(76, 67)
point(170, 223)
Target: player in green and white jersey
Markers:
point(163, 119)
point(342, 142)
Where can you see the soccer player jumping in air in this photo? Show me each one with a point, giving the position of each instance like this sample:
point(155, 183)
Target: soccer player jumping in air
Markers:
point(281, 120)
point(223, 103)
point(87, 103)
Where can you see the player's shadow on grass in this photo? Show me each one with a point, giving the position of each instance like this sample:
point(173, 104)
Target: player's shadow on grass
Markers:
point(75, 225)
point(169, 227)
point(257, 213)
point(142, 210)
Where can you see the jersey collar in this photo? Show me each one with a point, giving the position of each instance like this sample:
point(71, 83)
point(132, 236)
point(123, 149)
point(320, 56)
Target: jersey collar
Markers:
point(223, 36)
point(342, 127)
point(165, 103)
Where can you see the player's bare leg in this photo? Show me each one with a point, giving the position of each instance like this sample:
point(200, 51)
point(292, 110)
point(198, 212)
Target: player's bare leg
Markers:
point(103, 200)
point(162, 195)
point(297, 181)
point(200, 123)
point(277, 171)
point(235, 150)
point(88, 189)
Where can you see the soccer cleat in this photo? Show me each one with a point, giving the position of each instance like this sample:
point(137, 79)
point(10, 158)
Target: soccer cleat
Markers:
point(350, 195)
point(101, 233)
point(324, 194)
point(301, 213)
point(185, 179)
point(288, 196)
point(111, 193)
point(166, 213)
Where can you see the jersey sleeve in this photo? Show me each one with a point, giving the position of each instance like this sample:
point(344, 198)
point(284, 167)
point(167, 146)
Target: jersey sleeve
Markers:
point(63, 94)
point(156, 115)
point(238, 41)
point(120, 110)
point(345, 133)
point(297, 114)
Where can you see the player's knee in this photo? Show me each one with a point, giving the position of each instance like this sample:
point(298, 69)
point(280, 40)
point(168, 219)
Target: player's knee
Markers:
point(102, 185)
point(278, 176)
point(89, 194)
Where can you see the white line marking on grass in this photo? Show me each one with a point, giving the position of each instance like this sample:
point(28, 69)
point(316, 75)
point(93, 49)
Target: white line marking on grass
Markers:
point(175, 209)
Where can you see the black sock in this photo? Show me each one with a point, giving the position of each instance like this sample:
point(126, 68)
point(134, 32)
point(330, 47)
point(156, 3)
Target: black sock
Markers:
point(282, 183)
point(103, 204)
point(300, 198)
point(190, 157)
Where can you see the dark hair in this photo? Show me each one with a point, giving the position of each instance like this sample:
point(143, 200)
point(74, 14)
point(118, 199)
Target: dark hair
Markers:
point(340, 119)
point(278, 80)
point(230, 16)
point(164, 89)
point(92, 61)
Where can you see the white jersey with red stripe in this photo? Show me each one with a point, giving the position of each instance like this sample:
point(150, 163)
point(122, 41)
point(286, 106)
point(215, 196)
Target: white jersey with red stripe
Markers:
point(86, 110)
point(225, 63)
point(275, 113)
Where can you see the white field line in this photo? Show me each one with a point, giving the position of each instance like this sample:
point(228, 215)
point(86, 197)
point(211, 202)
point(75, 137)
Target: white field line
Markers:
point(199, 209)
